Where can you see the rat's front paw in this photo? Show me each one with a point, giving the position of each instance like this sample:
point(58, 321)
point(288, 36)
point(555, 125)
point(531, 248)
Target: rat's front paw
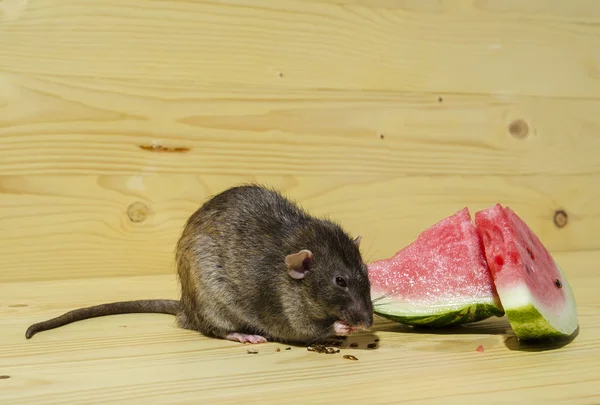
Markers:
point(342, 328)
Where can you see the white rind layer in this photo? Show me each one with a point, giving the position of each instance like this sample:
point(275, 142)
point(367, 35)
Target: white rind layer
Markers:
point(516, 296)
point(407, 308)
point(517, 301)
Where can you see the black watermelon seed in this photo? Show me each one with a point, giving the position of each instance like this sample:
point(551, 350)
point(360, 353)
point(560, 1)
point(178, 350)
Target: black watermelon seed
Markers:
point(530, 252)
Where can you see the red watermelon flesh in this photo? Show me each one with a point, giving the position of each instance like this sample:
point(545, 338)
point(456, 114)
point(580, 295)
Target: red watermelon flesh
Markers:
point(534, 291)
point(440, 279)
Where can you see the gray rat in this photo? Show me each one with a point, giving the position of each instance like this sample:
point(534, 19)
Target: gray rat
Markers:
point(254, 266)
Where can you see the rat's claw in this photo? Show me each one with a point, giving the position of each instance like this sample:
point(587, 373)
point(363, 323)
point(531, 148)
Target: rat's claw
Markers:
point(243, 338)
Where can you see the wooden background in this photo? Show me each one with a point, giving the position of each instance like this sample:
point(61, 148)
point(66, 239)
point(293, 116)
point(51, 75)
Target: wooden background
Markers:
point(119, 118)
point(385, 115)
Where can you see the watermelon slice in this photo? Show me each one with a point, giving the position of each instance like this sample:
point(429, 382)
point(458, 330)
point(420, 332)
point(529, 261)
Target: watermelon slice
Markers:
point(534, 291)
point(441, 279)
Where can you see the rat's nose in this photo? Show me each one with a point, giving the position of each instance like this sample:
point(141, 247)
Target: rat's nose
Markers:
point(370, 319)
point(367, 322)
point(361, 314)
point(368, 311)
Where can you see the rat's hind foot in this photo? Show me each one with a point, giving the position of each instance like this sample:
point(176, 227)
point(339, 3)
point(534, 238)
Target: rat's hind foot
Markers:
point(243, 338)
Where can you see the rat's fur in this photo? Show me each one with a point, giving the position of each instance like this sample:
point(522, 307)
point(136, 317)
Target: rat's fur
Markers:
point(253, 263)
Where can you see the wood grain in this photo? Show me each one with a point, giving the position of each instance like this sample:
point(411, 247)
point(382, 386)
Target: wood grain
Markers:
point(145, 358)
point(435, 46)
point(299, 87)
point(72, 125)
point(89, 226)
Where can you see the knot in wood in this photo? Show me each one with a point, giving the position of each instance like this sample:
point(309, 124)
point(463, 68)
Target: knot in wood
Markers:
point(560, 218)
point(137, 212)
point(518, 128)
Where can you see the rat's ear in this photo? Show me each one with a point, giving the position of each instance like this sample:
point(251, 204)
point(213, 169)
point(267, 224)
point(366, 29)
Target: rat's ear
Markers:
point(357, 240)
point(299, 263)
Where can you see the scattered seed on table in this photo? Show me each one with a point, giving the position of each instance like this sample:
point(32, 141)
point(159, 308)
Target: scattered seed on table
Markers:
point(278, 349)
point(372, 345)
point(252, 351)
point(353, 345)
point(288, 348)
point(350, 357)
point(321, 349)
point(479, 348)
point(376, 340)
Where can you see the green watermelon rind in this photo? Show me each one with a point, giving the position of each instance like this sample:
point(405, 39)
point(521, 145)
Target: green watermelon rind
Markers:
point(443, 319)
point(528, 323)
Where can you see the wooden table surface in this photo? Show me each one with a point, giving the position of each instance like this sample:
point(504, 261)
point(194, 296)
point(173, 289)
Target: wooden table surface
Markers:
point(135, 359)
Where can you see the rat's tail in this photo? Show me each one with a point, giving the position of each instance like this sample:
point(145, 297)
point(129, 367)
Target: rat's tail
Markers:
point(114, 308)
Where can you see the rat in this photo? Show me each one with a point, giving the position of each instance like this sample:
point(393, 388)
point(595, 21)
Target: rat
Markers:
point(253, 266)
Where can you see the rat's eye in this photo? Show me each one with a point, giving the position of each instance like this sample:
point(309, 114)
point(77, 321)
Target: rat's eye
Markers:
point(340, 281)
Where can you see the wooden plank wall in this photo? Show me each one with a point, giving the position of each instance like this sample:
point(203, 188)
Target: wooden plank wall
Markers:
point(118, 118)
